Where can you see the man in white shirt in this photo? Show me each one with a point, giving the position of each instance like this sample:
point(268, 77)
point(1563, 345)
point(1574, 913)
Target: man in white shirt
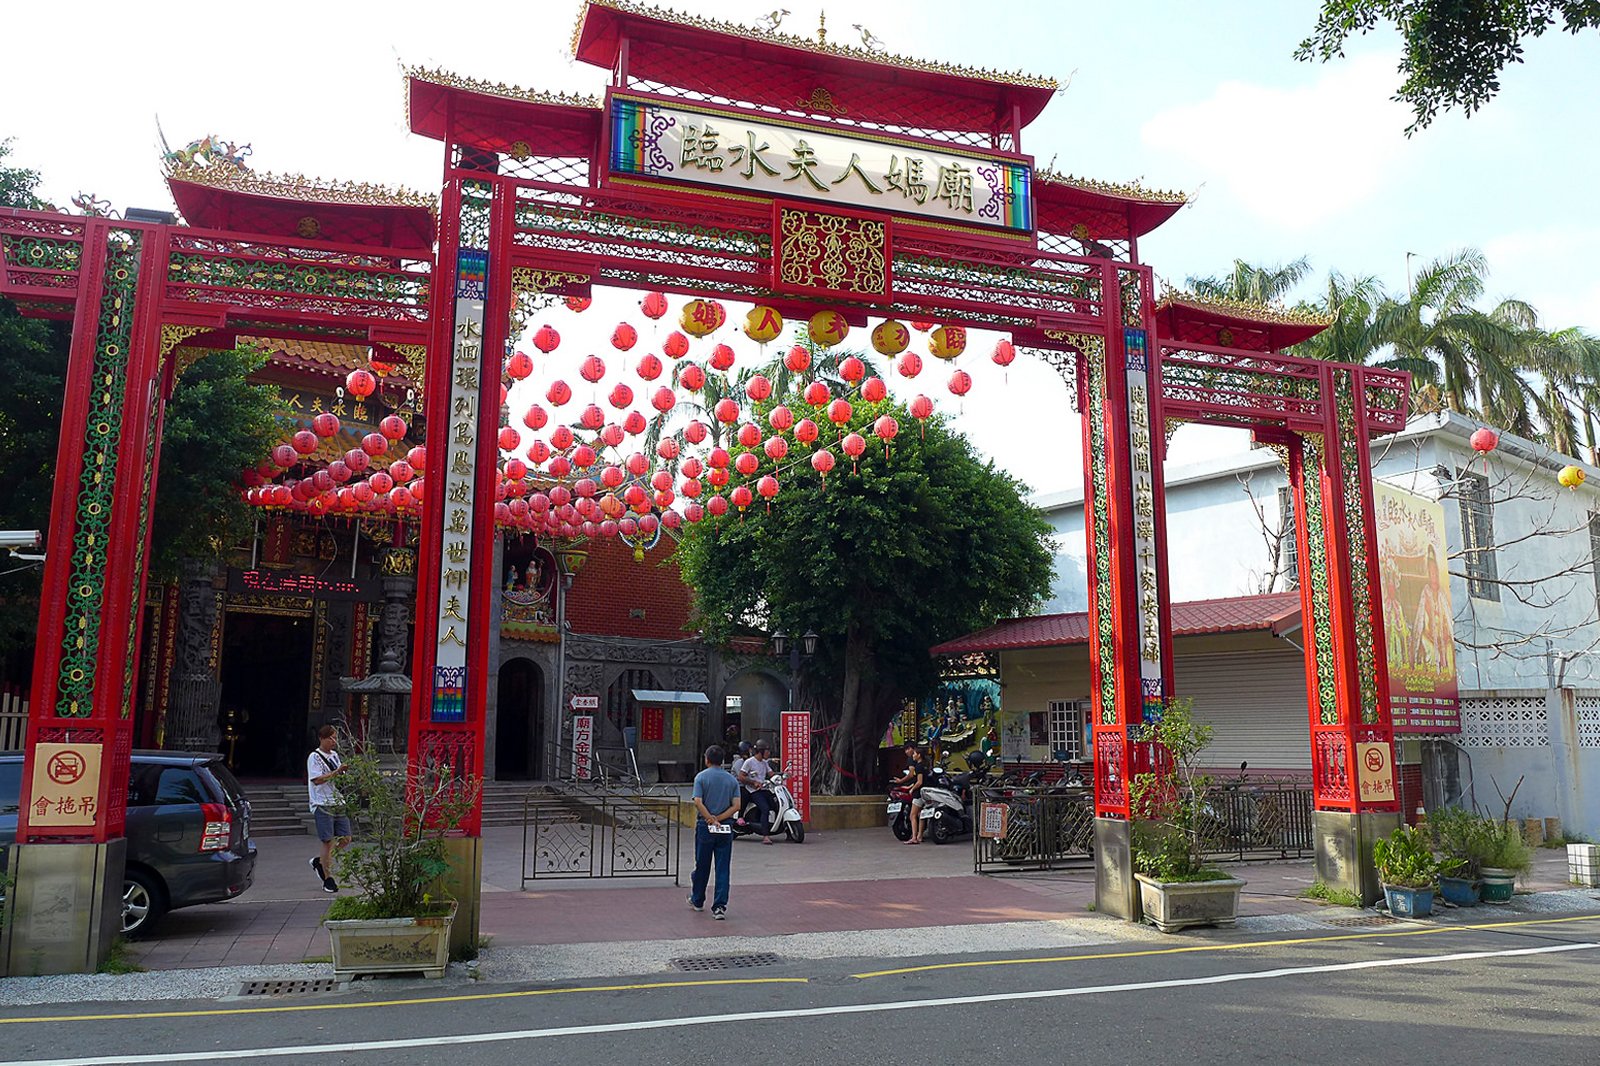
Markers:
point(323, 765)
point(753, 773)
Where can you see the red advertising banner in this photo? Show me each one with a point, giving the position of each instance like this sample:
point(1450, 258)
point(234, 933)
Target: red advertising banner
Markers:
point(1419, 625)
point(652, 724)
point(582, 745)
point(795, 751)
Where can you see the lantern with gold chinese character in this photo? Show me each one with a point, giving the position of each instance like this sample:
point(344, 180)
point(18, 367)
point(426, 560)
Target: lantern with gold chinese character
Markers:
point(762, 324)
point(1571, 476)
point(828, 328)
point(890, 337)
point(700, 317)
point(947, 342)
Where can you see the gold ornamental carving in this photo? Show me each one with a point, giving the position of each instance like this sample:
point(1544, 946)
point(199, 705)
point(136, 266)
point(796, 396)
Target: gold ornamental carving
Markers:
point(172, 336)
point(416, 361)
point(398, 562)
point(841, 254)
point(822, 100)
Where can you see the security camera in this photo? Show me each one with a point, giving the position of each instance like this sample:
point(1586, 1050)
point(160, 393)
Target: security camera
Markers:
point(20, 538)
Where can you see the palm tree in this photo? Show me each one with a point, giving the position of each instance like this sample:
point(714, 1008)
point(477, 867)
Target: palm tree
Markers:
point(1252, 284)
point(1353, 337)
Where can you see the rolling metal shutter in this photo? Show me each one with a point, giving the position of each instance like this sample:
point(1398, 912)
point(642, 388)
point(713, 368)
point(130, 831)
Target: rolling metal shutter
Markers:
point(1256, 701)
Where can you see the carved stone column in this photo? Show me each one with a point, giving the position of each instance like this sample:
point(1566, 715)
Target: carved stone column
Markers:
point(191, 723)
point(399, 604)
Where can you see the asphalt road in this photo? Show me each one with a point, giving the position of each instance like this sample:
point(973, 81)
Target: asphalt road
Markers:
point(1522, 992)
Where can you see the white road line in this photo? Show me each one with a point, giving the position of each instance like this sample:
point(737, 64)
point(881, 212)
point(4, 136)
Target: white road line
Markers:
point(217, 1055)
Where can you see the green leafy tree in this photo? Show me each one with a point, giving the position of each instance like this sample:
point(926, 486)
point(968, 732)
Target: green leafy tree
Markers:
point(884, 558)
point(1455, 50)
point(1253, 284)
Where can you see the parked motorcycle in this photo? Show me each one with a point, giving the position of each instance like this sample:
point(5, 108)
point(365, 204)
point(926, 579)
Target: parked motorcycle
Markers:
point(898, 812)
point(947, 805)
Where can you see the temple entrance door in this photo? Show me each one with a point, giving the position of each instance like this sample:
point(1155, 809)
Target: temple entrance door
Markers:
point(266, 681)
point(519, 722)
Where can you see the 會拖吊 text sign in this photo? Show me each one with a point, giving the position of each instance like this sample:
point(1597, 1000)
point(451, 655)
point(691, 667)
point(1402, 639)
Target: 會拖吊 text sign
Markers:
point(771, 157)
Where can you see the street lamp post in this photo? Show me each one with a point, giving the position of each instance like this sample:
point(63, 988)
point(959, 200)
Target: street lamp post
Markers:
point(805, 647)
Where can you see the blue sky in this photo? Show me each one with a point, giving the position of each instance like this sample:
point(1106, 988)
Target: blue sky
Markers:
point(1282, 158)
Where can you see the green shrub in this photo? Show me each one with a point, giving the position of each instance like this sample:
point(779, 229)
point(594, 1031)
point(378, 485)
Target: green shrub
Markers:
point(1405, 859)
point(1505, 849)
point(1172, 809)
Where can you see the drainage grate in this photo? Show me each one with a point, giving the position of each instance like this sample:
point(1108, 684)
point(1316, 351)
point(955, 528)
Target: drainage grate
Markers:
point(1364, 921)
point(288, 988)
point(725, 962)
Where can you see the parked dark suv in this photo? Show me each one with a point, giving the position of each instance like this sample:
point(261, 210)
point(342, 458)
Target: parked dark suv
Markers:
point(188, 831)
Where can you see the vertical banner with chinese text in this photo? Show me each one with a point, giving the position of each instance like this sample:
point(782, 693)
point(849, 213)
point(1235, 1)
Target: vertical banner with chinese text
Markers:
point(795, 750)
point(582, 745)
point(1419, 627)
point(1140, 453)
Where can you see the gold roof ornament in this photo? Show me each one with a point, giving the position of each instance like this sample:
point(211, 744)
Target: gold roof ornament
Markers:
point(1131, 190)
point(1266, 314)
point(299, 187)
point(822, 46)
point(500, 89)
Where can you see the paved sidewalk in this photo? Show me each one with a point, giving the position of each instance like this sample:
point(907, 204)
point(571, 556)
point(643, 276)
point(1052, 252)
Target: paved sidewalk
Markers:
point(851, 880)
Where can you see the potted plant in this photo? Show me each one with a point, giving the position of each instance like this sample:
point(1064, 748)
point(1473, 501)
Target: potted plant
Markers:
point(1504, 855)
point(1407, 868)
point(1177, 887)
point(1459, 838)
point(399, 921)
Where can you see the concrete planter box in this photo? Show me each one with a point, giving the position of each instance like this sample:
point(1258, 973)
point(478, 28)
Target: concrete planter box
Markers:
point(391, 945)
point(1583, 864)
point(1172, 905)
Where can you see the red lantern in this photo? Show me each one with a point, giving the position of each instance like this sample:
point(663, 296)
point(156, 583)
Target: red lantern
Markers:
point(516, 469)
point(583, 456)
point(612, 476)
point(839, 412)
point(1484, 440)
point(560, 495)
point(817, 393)
point(381, 482)
point(742, 497)
point(545, 338)
point(538, 452)
point(910, 365)
point(747, 463)
point(661, 480)
point(767, 487)
point(361, 492)
point(322, 480)
point(621, 396)
point(781, 418)
point(634, 495)
point(696, 432)
point(873, 390)
point(852, 369)
point(624, 337)
point(401, 471)
point(649, 368)
point(798, 360)
point(418, 457)
point(671, 519)
point(694, 512)
point(960, 382)
point(921, 325)
point(305, 442)
point(758, 388)
point(654, 305)
point(374, 444)
point(691, 488)
point(356, 459)
point(284, 456)
point(676, 346)
point(593, 369)
point(325, 425)
point(664, 399)
point(718, 459)
point(1004, 352)
point(691, 377)
point(592, 417)
point(560, 466)
point(776, 448)
point(717, 506)
point(539, 503)
point(692, 467)
point(584, 488)
point(634, 423)
point(401, 498)
point(921, 410)
point(718, 478)
point(805, 431)
point(668, 448)
point(727, 411)
point(638, 464)
point(558, 394)
point(535, 418)
point(853, 444)
point(886, 427)
point(822, 461)
point(360, 383)
point(519, 365)
point(628, 527)
point(393, 427)
point(578, 303)
point(648, 524)
point(339, 470)
point(749, 434)
point(612, 435)
point(561, 438)
point(722, 357)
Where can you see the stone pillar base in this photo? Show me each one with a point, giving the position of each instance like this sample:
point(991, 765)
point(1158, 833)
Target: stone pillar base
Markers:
point(64, 908)
point(1115, 891)
point(464, 883)
point(1344, 849)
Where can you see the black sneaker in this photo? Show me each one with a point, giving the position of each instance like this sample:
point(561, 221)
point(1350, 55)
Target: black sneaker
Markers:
point(719, 913)
point(329, 885)
point(696, 906)
point(316, 864)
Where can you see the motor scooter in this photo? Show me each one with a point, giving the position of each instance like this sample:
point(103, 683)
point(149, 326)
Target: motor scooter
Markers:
point(899, 812)
point(785, 814)
point(947, 805)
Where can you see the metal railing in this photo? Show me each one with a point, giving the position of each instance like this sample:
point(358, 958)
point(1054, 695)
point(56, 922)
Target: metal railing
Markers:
point(1035, 828)
point(611, 769)
point(1266, 821)
point(582, 834)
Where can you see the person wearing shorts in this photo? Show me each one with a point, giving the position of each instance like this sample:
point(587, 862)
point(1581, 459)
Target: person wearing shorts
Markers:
point(333, 824)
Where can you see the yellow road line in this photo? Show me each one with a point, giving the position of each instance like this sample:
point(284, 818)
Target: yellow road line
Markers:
point(1221, 947)
point(466, 998)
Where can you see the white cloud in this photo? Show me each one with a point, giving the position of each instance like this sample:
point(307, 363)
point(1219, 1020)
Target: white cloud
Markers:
point(1550, 268)
point(1293, 156)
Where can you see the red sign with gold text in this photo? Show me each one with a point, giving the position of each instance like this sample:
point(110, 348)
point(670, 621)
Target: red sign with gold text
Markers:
point(795, 743)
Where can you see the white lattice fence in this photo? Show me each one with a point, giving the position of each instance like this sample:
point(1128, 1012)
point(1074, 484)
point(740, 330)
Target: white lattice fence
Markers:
point(1588, 721)
point(1506, 722)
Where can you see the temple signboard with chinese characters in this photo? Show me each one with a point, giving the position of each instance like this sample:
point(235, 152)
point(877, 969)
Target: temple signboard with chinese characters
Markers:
point(772, 157)
point(1151, 683)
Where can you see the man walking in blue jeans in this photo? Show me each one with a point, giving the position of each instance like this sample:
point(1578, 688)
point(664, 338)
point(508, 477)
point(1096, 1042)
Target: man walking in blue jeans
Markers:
point(716, 802)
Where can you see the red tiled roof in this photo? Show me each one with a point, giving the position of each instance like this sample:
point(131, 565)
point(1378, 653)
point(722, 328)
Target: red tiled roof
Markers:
point(1277, 612)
